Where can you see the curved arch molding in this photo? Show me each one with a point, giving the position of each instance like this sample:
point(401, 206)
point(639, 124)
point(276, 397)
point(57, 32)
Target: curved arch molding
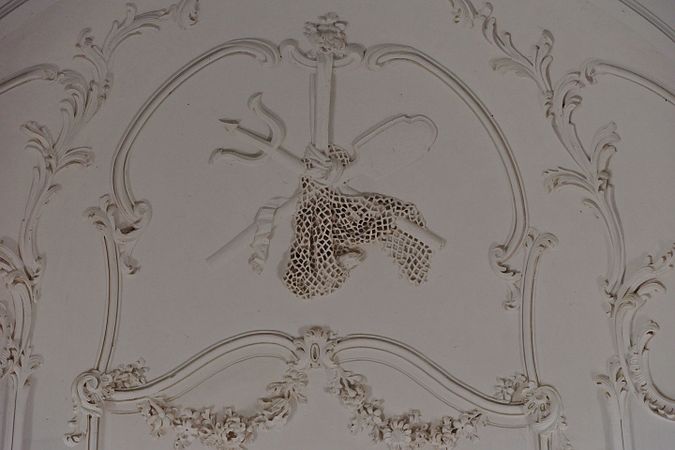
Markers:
point(522, 400)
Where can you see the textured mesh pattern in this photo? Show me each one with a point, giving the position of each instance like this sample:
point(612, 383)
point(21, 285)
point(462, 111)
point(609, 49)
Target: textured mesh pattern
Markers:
point(330, 226)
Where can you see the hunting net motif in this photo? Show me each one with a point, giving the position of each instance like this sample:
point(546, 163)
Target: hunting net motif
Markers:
point(330, 227)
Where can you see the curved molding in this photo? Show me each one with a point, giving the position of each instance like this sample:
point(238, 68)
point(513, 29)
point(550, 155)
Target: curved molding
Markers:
point(102, 218)
point(427, 374)
point(536, 245)
point(21, 262)
point(624, 293)
point(538, 407)
point(352, 57)
point(633, 336)
point(47, 72)
point(594, 68)
point(650, 17)
point(8, 6)
point(500, 254)
point(529, 405)
point(134, 214)
point(208, 363)
point(131, 210)
point(615, 398)
point(122, 218)
point(91, 381)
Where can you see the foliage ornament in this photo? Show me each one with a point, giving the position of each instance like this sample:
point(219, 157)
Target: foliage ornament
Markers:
point(229, 429)
point(22, 264)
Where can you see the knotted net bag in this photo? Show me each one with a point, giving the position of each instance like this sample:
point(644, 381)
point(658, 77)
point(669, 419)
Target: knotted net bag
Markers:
point(330, 227)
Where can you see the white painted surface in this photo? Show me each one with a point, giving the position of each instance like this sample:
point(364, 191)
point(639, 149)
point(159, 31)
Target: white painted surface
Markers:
point(176, 305)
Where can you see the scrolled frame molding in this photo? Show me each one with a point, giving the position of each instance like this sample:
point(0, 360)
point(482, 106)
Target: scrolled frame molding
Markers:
point(21, 263)
point(7, 6)
point(529, 402)
point(465, 11)
point(624, 293)
point(133, 214)
point(121, 218)
point(379, 56)
point(650, 17)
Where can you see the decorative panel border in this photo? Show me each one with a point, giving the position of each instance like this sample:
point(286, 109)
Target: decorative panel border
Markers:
point(522, 400)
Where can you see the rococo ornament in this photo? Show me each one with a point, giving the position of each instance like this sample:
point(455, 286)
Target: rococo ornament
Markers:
point(122, 218)
point(332, 221)
point(228, 429)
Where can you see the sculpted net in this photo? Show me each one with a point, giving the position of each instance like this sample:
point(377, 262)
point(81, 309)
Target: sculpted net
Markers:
point(330, 226)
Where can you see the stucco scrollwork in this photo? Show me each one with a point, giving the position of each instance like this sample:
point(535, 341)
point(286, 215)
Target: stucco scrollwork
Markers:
point(540, 402)
point(519, 402)
point(229, 429)
point(325, 163)
point(349, 217)
point(122, 218)
point(624, 292)
point(91, 388)
point(651, 17)
point(125, 390)
point(21, 262)
point(332, 220)
point(318, 347)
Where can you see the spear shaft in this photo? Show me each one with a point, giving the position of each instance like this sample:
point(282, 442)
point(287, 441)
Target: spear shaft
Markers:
point(322, 101)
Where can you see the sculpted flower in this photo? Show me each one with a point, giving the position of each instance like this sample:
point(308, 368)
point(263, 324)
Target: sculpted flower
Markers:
point(447, 425)
point(508, 387)
point(206, 415)
point(104, 390)
point(371, 413)
point(369, 416)
point(274, 412)
point(228, 433)
point(467, 424)
point(328, 35)
point(292, 387)
point(186, 427)
point(349, 388)
point(129, 375)
point(443, 435)
point(397, 434)
point(537, 402)
point(420, 435)
point(160, 418)
point(235, 430)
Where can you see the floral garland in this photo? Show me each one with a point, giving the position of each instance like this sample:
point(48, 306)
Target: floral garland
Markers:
point(231, 430)
point(403, 432)
point(227, 430)
point(519, 389)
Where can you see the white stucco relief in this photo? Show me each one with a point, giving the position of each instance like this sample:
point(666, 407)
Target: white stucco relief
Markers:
point(624, 293)
point(332, 220)
point(21, 262)
point(522, 400)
